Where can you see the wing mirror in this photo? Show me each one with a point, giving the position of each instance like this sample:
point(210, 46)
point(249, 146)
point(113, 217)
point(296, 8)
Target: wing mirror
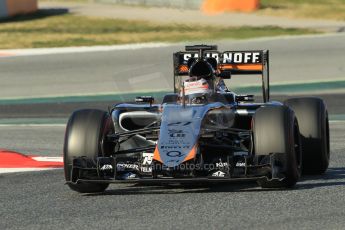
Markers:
point(144, 99)
point(244, 98)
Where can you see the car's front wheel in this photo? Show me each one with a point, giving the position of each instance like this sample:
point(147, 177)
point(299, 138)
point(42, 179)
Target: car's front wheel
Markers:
point(84, 136)
point(277, 140)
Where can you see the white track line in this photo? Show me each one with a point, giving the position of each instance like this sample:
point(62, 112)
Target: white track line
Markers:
point(336, 121)
point(288, 37)
point(33, 125)
point(4, 53)
point(48, 159)
point(82, 49)
point(14, 170)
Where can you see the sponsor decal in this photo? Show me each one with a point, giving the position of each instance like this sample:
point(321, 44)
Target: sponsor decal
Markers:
point(176, 142)
point(193, 87)
point(125, 166)
point(176, 133)
point(187, 56)
point(240, 164)
point(180, 123)
point(174, 154)
point(147, 158)
point(132, 175)
point(146, 169)
point(222, 164)
point(228, 57)
point(218, 174)
point(106, 167)
point(129, 175)
point(176, 147)
point(245, 57)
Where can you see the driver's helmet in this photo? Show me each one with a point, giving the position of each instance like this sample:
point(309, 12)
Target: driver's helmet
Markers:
point(200, 84)
point(193, 86)
point(197, 90)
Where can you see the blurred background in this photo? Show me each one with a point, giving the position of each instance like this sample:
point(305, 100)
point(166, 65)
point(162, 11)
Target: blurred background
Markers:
point(68, 53)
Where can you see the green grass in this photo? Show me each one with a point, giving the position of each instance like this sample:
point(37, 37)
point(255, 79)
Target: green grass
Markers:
point(320, 9)
point(43, 30)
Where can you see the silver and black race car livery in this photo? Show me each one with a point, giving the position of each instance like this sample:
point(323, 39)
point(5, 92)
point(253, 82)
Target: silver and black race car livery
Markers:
point(202, 132)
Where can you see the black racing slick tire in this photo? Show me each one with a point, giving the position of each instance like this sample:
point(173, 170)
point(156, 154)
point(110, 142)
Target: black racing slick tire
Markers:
point(277, 139)
point(313, 122)
point(83, 138)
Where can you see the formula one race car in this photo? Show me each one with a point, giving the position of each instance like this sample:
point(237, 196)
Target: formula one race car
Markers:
point(201, 133)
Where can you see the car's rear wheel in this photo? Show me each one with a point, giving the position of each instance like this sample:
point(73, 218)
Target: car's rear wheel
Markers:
point(84, 137)
point(312, 117)
point(277, 139)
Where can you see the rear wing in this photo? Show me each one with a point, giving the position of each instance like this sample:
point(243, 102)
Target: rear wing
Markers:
point(253, 62)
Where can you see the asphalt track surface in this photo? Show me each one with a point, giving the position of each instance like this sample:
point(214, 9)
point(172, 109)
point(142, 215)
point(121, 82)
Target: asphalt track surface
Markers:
point(40, 200)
